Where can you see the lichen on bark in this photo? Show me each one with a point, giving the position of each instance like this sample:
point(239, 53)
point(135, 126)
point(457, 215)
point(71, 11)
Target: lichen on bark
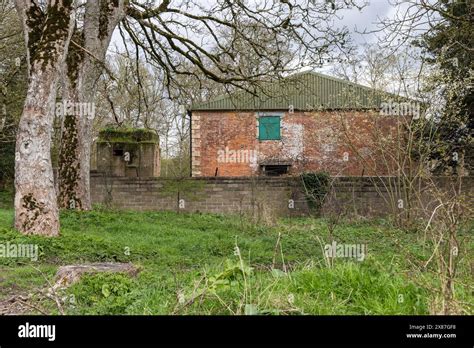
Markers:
point(74, 58)
point(69, 167)
point(35, 22)
point(54, 30)
point(33, 210)
point(107, 7)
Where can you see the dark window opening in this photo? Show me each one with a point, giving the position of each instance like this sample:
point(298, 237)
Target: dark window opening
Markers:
point(274, 169)
point(118, 152)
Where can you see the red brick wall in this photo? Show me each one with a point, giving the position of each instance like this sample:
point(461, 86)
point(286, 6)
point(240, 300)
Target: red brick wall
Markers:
point(342, 143)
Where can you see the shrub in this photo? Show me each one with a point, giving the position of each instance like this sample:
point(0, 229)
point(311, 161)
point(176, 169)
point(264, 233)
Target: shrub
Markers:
point(316, 187)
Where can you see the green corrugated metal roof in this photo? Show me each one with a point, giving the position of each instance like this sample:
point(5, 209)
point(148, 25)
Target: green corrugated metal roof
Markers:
point(303, 91)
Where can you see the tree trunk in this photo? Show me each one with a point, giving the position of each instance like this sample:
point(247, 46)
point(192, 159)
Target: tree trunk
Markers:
point(84, 66)
point(73, 174)
point(47, 37)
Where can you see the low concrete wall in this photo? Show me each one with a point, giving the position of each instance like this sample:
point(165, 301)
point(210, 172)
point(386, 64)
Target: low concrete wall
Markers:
point(214, 195)
point(367, 196)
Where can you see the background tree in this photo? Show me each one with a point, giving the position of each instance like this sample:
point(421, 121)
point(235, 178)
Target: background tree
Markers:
point(443, 31)
point(12, 88)
point(449, 46)
point(378, 67)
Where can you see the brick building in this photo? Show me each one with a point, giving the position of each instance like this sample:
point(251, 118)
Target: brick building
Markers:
point(306, 122)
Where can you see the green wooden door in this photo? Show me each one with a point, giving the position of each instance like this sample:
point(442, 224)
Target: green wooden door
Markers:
point(269, 127)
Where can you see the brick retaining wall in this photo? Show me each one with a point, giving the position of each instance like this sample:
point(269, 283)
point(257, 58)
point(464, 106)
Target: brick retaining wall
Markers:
point(280, 196)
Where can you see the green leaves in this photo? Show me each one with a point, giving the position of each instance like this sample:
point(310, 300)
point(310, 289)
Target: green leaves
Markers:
point(103, 293)
point(229, 277)
point(106, 290)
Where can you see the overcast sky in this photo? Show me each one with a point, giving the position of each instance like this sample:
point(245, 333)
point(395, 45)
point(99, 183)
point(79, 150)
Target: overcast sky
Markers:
point(355, 20)
point(366, 18)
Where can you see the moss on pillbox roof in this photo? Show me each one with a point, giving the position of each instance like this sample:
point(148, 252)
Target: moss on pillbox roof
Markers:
point(128, 135)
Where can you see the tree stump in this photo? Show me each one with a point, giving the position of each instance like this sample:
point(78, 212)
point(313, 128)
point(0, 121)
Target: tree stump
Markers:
point(68, 275)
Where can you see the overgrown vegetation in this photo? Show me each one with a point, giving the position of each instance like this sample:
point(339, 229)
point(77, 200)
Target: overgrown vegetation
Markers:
point(212, 264)
point(125, 135)
point(316, 186)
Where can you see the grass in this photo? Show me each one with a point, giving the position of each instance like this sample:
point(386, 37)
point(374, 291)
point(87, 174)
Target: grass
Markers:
point(190, 265)
point(6, 197)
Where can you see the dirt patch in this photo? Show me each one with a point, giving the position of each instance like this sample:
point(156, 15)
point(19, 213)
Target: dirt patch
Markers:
point(20, 305)
point(14, 302)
